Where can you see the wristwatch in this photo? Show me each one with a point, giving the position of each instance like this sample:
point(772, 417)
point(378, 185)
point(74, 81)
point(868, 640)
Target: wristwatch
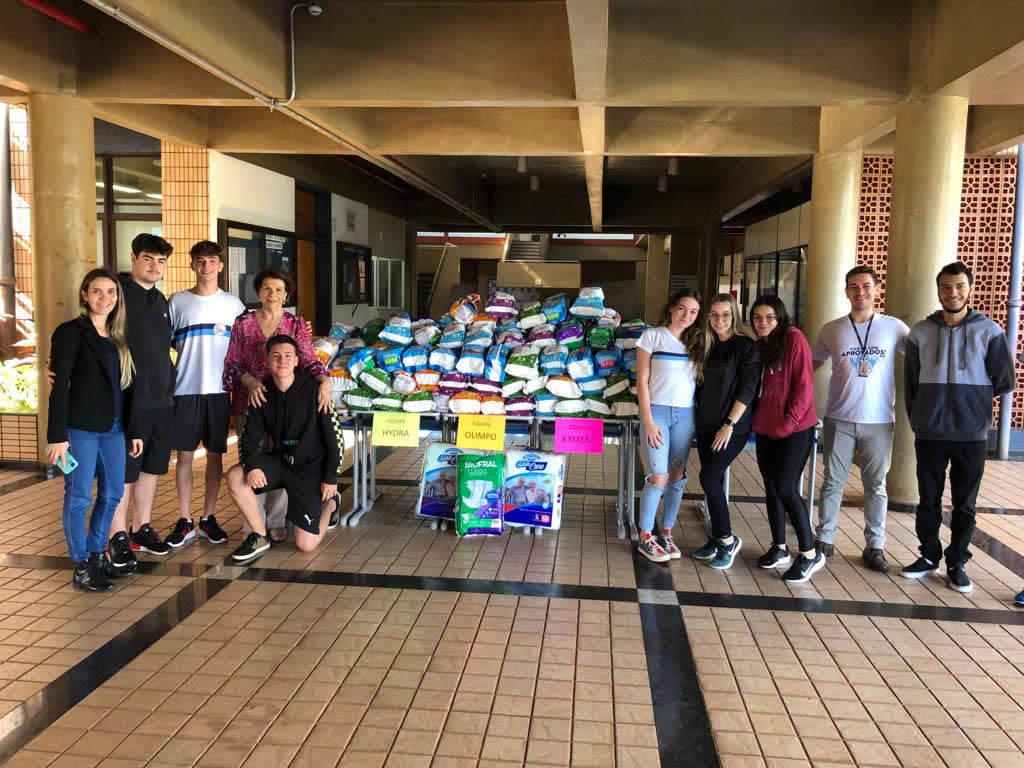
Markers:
point(729, 422)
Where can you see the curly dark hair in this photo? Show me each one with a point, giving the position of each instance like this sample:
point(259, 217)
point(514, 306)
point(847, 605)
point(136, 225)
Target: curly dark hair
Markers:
point(773, 346)
point(273, 273)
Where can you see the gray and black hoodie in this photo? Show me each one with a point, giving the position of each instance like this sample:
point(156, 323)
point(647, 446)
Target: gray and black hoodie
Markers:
point(951, 374)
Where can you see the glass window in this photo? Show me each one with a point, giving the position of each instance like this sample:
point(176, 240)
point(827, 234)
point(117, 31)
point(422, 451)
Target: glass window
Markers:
point(353, 274)
point(100, 184)
point(125, 230)
point(136, 184)
point(249, 251)
point(397, 283)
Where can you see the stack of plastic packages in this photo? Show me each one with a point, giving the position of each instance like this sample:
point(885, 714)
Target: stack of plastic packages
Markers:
point(548, 358)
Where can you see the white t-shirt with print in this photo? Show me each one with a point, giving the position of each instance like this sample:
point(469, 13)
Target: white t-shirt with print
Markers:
point(851, 397)
point(671, 381)
point(201, 333)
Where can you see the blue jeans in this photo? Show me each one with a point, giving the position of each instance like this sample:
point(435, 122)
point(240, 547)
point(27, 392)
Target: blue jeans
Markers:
point(101, 456)
point(676, 425)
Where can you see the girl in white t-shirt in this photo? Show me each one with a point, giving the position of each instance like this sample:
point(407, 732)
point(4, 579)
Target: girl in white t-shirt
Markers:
point(669, 359)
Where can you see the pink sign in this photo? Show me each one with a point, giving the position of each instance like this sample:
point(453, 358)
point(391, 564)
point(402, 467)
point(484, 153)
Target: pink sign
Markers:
point(579, 435)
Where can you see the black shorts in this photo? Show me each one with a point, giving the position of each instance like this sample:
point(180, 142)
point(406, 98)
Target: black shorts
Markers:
point(304, 504)
point(155, 428)
point(201, 418)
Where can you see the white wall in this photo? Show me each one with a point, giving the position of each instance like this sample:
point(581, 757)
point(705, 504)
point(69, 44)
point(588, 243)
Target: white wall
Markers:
point(341, 208)
point(240, 191)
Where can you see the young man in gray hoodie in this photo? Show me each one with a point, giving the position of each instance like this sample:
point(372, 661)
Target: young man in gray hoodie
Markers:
point(957, 361)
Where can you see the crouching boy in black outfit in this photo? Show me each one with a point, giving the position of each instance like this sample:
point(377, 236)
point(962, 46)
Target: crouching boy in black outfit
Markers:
point(287, 443)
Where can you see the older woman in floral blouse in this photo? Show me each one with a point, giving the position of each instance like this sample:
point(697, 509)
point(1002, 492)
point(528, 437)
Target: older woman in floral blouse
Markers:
point(246, 364)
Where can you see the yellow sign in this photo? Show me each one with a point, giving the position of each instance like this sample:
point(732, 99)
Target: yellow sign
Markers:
point(398, 429)
point(484, 432)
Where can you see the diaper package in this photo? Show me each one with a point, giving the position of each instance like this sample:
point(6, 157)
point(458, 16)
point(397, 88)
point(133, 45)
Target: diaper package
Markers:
point(415, 358)
point(589, 303)
point(553, 358)
point(465, 309)
point(472, 361)
point(492, 405)
point(595, 385)
point(438, 482)
point(403, 383)
point(512, 387)
point(390, 360)
point(453, 337)
point(608, 361)
point(480, 506)
point(534, 483)
point(531, 315)
point(442, 359)
point(521, 405)
point(544, 403)
point(398, 331)
point(555, 308)
point(501, 304)
point(418, 402)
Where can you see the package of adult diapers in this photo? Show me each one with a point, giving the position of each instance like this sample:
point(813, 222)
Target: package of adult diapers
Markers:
point(533, 386)
point(510, 323)
point(453, 336)
point(326, 349)
point(439, 490)
point(427, 379)
point(494, 363)
point(589, 303)
point(544, 403)
point(481, 503)
point(471, 362)
point(552, 359)
point(570, 335)
point(391, 402)
point(610, 319)
point(563, 387)
point(376, 380)
point(390, 360)
point(580, 364)
point(595, 385)
point(403, 383)
point(520, 405)
point(360, 399)
point(362, 360)
point(485, 386)
point(418, 402)
point(541, 336)
point(492, 405)
point(398, 330)
point(511, 338)
point(555, 308)
point(501, 304)
point(464, 402)
point(570, 407)
point(442, 359)
point(616, 385)
point(341, 331)
point(531, 315)
point(353, 343)
point(415, 358)
point(624, 406)
point(600, 337)
point(465, 309)
point(629, 334)
point(629, 362)
point(522, 363)
point(597, 406)
point(452, 382)
point(512, 387)
point(372, 330)
point(482, 320)
point(534, 483)
point(608, 361)
point(427, 334)
point(479, 335)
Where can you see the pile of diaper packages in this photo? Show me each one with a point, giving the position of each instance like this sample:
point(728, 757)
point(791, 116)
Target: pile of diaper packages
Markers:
point(483, 492)
point(491, 357)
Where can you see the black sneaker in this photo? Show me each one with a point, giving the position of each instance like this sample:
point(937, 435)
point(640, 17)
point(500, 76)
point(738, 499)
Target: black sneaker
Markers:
point(804, 567)
point(335, 517)
point(919, 568)
point(121, 555)
point(826, 549)
point(958, 580)
point(775, 557)
point(108, 569)
point(184, 530)
point(209, 529)
point(147, 540)
point(88, 575)
point(253, 546)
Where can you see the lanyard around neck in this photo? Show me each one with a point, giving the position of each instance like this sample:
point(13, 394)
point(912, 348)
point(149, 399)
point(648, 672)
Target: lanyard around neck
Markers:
point(867, 333)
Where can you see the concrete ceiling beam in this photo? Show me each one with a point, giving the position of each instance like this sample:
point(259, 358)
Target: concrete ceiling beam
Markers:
point(240, 129)
point(849, 128)
point(753, 180)
point(477, 131)
point(588, 37)
point(185, 125)
point(993, 128)
point(735, 52)
point(417, 54)
point(957, 48)
point(712, 131)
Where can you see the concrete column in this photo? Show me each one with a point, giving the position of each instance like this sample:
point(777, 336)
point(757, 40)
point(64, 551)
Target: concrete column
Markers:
point(832, 247)
point(63, 217)
point(927, 184)
point(656, 277)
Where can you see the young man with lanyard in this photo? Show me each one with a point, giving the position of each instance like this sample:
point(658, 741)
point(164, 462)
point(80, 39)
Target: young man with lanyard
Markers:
point(861, 411)
point(201, 320)
point(151, 410)
point(957, 361)
point(288, 443)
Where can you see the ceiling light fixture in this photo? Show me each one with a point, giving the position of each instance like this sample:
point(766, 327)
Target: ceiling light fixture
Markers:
point(534, 183)
point(121, 188)
point(673, 166)
point(663, 183)
point(154, 195)
point(521, 164)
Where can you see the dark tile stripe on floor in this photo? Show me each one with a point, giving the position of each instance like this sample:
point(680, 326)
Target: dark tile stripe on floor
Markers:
point(680, 717)
point(42, 709)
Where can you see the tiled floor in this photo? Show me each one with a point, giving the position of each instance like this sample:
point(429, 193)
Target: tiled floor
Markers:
point(398, 645)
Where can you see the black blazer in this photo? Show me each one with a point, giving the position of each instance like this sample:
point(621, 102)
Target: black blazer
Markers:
point(82, 392)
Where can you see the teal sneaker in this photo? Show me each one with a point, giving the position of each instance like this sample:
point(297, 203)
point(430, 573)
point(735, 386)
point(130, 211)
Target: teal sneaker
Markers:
point(706, 552)
point(726, 553)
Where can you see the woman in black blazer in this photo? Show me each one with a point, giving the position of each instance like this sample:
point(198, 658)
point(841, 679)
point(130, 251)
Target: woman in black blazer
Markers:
point(92, 367)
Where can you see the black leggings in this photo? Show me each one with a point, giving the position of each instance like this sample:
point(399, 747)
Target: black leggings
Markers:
point(712, 478)
point(781, 462)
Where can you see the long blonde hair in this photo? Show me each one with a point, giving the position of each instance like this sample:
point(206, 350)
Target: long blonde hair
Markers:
point(115, 322)
point(693, 336)
point(738, 326)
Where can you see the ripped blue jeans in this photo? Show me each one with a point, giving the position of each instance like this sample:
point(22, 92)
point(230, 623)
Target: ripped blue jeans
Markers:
point(676, 425)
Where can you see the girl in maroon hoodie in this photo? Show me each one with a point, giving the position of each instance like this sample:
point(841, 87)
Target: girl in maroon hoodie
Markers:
point(784, 422)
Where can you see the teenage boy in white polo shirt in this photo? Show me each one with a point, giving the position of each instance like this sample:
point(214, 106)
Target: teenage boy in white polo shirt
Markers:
point(861, 411)
point(201, 320)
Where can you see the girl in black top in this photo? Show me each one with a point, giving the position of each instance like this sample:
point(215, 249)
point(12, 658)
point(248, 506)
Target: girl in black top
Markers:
point(732, 376)
point(92, 367)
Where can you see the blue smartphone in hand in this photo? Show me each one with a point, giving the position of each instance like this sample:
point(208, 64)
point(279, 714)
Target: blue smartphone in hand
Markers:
point(70, 462)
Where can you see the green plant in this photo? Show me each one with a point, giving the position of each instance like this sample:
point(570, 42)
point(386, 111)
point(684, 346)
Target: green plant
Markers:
point(19, 388)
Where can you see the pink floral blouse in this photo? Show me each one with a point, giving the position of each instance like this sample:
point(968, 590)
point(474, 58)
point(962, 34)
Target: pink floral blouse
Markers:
point(247, 353)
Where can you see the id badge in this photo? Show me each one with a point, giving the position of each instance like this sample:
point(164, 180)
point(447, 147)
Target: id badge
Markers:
point(863, 367)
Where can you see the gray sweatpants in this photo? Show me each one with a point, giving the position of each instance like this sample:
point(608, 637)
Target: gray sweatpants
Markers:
point(869, 446)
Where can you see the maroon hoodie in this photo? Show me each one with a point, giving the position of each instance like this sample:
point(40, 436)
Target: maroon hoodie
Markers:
point(786, 404)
